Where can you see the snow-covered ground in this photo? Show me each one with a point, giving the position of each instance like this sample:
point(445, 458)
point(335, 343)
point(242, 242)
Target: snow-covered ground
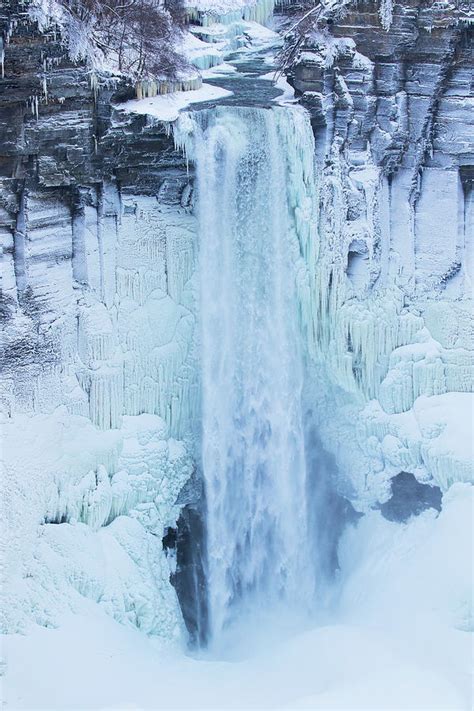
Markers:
point(166, 107)
point(397, 639)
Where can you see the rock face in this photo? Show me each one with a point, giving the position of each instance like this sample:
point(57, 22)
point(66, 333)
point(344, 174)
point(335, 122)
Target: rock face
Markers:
point(392, 113)
point(97, 308)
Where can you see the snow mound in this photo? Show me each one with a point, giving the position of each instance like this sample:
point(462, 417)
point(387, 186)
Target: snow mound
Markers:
point(167, 107)
point(392, 645)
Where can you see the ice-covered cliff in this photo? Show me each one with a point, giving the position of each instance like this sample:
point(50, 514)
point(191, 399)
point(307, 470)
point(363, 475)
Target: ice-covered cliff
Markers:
point(98, 385)
point(99, 311)
point(388, 305)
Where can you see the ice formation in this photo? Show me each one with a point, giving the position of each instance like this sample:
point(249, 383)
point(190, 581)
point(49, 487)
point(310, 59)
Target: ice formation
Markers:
point(387, 295)
point(117, 343)
point(148, 88)
point(203, 55)
point(228, 12)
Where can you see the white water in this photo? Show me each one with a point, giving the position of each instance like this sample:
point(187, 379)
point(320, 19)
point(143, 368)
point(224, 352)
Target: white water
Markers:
point(253, 453)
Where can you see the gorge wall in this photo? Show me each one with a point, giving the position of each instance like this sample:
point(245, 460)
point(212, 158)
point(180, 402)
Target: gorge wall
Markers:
point(98, 256)
point(99, 306)
point(389, 304)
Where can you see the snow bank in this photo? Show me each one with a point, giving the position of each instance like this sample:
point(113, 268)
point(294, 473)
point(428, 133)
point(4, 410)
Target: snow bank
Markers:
point(167, 107)
point(445, 423)
point(86, 513)
point(432, 440)
point(287, 95)
point(340, 667)
point(422, 570)
point(393, 645)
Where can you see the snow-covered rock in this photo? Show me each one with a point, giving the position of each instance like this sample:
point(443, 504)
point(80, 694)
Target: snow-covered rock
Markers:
point(387, 297)
point(99, 388)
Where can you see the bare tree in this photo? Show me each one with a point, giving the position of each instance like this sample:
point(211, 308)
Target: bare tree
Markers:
point(137, 36)
point(312, 16)
point(315, 15)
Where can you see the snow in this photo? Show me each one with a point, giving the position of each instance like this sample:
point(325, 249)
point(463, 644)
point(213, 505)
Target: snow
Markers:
point(446, 425)
point(224, 69)
point(98, 503)
point(327, 49)
point(259, 34)
point(392, 644)
point(168, 106)
point(397, 573)
point(202, 55)
point(432, 440)
point(386, 13)
point(326, 668)
point(288, 93)
point(343, 667)
point(227, 12)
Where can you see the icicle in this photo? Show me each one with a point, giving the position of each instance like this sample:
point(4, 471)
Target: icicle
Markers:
point(45, 89)
point(94, 84)
point(148, 88)
point(386, 13)
point(206, 61)
point(259, 11)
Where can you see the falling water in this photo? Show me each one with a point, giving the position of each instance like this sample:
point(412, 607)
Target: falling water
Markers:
point(252, 209)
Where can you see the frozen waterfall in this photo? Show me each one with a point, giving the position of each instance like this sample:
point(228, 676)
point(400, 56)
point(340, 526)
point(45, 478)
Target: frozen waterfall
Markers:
point(251, 194)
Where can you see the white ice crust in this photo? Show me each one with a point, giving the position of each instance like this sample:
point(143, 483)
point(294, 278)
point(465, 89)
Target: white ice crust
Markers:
point(93, 457)
point(167, 106)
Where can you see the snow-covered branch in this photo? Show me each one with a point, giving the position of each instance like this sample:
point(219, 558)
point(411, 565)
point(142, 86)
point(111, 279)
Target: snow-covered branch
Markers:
point(136, 37)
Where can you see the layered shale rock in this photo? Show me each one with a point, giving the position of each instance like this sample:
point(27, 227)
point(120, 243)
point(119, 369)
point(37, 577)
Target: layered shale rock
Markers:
point(97, 345)
point(392, 113)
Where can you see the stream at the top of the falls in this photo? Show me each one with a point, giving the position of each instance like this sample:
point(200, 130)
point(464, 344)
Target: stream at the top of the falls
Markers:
point(255, 199)
point(249, 74)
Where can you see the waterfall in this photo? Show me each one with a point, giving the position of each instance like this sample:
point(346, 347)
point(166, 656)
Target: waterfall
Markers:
point(254, 207)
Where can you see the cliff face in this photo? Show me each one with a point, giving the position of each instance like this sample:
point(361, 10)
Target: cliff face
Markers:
point(392, 113)
point(98, 307)
point(98, 254)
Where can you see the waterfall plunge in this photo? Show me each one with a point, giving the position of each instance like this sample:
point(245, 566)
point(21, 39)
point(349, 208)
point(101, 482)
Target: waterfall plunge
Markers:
point(254, 206)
